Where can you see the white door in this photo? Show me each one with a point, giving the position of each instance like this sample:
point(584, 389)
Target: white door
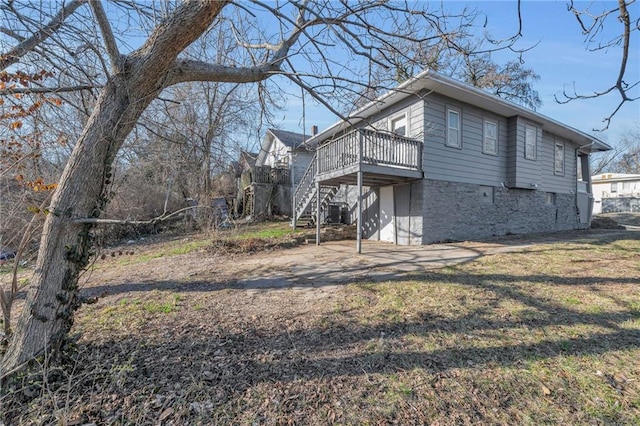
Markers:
point(387, 221)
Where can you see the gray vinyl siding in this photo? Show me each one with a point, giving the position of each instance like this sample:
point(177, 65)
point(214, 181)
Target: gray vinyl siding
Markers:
point(468, 164)
point(524, 172)
point(552, 182)
point(416, 122)
point(412, 106)
point(514, 133)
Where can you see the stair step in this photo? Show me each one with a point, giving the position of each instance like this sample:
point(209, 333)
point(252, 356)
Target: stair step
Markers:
point(308, 203)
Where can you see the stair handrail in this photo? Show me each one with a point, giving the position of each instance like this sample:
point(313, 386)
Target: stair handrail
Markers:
point(306, 182)
point(308, 178)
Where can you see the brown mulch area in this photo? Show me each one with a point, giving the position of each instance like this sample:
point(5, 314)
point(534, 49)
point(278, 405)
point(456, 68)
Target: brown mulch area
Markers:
point(603, 222)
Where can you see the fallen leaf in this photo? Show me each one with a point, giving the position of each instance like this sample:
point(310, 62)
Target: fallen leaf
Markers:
point(546, 390)
point(165, 414)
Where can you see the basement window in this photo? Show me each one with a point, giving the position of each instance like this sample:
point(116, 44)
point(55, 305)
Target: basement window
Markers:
point(550, 197)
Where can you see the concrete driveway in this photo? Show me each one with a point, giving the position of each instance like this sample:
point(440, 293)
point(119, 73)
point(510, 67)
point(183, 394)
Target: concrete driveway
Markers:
point(336, 262)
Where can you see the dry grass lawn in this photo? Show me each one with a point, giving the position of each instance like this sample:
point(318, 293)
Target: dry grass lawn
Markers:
point(546, 335)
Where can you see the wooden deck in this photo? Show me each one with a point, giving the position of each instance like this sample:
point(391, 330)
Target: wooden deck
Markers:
point(361, 157)
point(383, 159)
point(271, 175)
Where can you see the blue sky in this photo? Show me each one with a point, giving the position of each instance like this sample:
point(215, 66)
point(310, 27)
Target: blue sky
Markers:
point(560, 58)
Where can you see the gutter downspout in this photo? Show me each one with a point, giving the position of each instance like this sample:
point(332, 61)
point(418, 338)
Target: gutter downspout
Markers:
point(586, 171)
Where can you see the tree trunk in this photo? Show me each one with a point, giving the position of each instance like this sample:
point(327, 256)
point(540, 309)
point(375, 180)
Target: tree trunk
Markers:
point(65, 246)
point(83, 189)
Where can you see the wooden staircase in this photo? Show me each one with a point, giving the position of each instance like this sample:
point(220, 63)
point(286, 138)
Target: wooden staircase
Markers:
point(362, 157)
point(247, 202)
point(306, 196)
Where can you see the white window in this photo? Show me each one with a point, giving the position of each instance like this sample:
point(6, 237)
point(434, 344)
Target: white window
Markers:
point(626, 186)
point(614, 187)
point(453, 128)
point(490, 141)
point(530, 143)
point(559, 159)
point(399, 125)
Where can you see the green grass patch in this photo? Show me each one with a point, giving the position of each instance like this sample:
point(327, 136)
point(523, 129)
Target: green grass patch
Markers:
point(159, 308)
point(165, 303)
point(188, 247)
point(264, 231)
point(572, 301)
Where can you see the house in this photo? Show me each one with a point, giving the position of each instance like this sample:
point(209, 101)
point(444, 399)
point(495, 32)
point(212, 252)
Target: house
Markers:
point(437, 160)
point(616, 192)
point(267, 184)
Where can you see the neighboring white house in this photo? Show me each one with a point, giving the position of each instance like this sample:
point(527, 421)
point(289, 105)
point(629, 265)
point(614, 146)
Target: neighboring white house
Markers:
point(267, 185)
point(288, 150)
point(439, 160)
point(615, 192)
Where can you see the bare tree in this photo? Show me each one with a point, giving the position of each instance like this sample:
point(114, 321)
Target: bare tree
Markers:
point(180, 145)
point(461, 55)
point(302, 48)
point(205, 131)
point(593, 25)
point(623, 158)
point(511, 81)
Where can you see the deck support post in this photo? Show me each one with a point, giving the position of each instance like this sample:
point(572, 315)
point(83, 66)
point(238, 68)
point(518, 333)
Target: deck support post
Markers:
point(294, 221)
point(317, 213)
point(359, 228)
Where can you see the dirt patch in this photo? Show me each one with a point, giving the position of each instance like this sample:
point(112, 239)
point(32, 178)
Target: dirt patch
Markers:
point(622, 219)
point(604, 222)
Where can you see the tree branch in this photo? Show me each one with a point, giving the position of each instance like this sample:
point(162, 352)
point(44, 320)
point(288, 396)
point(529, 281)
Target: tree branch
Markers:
point(11, 33)
point(590, 30)
point(188, 70)
point(107, 35)
point(14, 55)
point(153, 221)
point(29, 90)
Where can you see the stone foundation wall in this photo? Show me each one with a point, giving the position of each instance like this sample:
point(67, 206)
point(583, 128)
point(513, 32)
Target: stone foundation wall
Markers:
point(459, 211)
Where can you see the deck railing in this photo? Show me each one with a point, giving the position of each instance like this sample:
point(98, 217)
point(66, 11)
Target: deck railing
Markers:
point(369, 147)
point(272, 175)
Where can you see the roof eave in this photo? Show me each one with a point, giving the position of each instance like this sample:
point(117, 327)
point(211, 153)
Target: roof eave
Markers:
point(430, 80)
